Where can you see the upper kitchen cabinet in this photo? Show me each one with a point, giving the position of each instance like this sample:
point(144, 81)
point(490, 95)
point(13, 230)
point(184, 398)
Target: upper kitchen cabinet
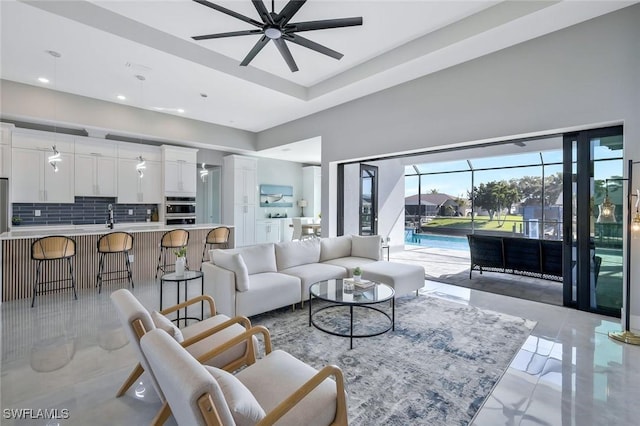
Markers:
point(180, 171)
point(139, 174)
point(34, 179)
point(5, 149)
point(96, 165)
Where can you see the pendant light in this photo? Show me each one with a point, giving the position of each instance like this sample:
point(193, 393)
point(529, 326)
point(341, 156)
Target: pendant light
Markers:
point(204, 172)
point(607, 208)
point(56, 157)
point(141, 162)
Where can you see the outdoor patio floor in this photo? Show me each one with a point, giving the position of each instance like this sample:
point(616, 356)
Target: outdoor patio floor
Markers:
point(452, 267)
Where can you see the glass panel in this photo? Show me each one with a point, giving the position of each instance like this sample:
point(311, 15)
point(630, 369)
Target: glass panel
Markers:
point(552, 157)
point(552, 202)
point(607, 147)
point(447, 166)
point(445, 207)
point(525, 159)
point(608, 233)
point(368, 193)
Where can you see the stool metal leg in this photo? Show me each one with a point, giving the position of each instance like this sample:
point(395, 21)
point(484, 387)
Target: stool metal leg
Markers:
point(35, 284)
point(128, 263)
point(73, 278)
point(100, 269)
point(159, 260)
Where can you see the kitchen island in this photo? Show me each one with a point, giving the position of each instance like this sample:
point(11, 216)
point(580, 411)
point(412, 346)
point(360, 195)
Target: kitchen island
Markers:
point(17, 272)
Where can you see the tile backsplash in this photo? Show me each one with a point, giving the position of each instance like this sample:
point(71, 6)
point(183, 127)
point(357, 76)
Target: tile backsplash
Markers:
point(84, 211)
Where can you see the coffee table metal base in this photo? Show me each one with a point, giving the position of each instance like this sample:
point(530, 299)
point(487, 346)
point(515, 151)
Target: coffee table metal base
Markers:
point(351, 335)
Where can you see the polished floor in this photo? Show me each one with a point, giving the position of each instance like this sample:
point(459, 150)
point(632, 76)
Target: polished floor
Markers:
point(72, 356)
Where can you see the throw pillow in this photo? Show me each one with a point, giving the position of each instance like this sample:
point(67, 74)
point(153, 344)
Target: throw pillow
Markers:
point(366, 246)
point(335, 247)
point(244, 408)
point(235, 263)
point(164, 323)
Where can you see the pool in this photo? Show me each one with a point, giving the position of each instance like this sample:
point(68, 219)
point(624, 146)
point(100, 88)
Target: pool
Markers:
point(436, 241)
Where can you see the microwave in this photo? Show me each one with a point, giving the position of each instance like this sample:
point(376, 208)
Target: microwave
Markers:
point(181, 206)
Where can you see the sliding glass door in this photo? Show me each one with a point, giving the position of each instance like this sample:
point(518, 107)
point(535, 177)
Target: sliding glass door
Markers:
point(368, 200)
point(592, 209)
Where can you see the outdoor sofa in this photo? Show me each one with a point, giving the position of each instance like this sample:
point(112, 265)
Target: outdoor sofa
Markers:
point(539, 258)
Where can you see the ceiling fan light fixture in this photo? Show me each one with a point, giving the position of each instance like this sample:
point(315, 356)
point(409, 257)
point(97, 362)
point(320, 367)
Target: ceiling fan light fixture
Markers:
point(273, 33)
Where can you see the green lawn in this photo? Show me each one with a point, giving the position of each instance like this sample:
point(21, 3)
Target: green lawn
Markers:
point(481, 222)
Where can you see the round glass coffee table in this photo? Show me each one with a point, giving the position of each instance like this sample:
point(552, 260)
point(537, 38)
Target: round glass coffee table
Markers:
point(334, 291)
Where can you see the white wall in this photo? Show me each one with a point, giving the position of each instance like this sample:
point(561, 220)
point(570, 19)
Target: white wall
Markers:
point(279, 172)
point(580, 77)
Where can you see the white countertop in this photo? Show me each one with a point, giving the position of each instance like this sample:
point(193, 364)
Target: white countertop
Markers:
point(18, 232)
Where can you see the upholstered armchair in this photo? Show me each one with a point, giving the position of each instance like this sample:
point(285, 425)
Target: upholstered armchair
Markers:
point(276, 388)
point(198, 339)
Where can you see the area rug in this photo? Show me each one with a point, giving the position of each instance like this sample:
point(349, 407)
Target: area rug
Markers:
point(436, 368)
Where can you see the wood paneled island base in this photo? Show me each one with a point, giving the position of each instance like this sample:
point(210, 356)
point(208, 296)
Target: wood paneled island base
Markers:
point(19, 271)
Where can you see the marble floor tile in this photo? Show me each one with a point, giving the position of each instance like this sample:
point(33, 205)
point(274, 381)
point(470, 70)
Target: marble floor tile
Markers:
point(73, 355)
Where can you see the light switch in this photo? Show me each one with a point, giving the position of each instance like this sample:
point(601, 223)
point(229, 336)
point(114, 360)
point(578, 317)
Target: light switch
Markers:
point(36, 213)
point(130, 212)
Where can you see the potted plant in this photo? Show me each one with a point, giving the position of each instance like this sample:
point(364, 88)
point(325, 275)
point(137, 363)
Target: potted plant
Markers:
point(181, 260)
point(16, 220)
point(357, 274)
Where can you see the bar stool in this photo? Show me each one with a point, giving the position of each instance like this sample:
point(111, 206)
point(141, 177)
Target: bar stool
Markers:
point(114, 243)
point(55, 247)
point(216, 238)
point(174, 239)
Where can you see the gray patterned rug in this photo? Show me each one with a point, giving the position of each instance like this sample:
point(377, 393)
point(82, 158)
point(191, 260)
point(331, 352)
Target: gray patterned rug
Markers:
point(436, 368)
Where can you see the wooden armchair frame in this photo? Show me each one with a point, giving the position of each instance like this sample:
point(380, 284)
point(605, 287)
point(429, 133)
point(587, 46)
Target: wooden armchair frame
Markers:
point(140, 330)
point(207, 407)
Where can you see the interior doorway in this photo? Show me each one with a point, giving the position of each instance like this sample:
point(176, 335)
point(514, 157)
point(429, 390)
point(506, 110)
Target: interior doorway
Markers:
point(208, 196)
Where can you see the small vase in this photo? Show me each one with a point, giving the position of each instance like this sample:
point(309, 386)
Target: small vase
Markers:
point(180, 263)
point(357, 278)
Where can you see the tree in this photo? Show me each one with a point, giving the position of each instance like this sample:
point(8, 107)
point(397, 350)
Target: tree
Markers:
point(433, 191)
point(495, 197)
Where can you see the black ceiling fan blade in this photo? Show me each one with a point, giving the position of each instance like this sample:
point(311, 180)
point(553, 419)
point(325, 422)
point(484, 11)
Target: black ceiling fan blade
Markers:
point(256, 49)
point(262, 11)
point(294, 38)
point(324, 24)
point(230, 34)
point(286, 54)
point(289, 10)
point(230, 13)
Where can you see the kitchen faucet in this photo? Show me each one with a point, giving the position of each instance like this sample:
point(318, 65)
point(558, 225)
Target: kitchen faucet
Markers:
point(110, 221)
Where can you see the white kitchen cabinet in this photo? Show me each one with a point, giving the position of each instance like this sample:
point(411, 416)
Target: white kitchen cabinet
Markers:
point(133, 189)
point(180, 171)
point(268, 231)
point(244, 220)
point(33, 179)
point(240, 194)
point(180, 178)
point(5, 149)
point(95, 176)
point(96, 165)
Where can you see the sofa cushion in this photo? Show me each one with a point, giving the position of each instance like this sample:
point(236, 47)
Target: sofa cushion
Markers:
point(294, 253)
point(259, 258)
point(366, 246)
point(269, 290)
point(335, 247)
point(164, 323)
point(233, 262)
point(313, 273)
point(244, 408)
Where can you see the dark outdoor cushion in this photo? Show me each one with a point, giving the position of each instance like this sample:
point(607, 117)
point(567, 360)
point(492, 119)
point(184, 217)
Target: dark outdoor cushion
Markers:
point(551, 257)
point(486, 251)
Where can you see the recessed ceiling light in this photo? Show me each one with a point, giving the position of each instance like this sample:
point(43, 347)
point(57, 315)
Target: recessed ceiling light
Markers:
point(43, 80)
point(122, 97)
point(180, 110)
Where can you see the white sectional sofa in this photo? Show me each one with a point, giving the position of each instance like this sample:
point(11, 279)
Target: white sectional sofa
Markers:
point(255, 279)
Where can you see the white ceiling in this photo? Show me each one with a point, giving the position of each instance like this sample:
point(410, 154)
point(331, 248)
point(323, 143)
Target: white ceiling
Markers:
point(104, 44)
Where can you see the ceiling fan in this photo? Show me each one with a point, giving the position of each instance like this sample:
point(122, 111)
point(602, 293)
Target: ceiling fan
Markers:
point(276, 27)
